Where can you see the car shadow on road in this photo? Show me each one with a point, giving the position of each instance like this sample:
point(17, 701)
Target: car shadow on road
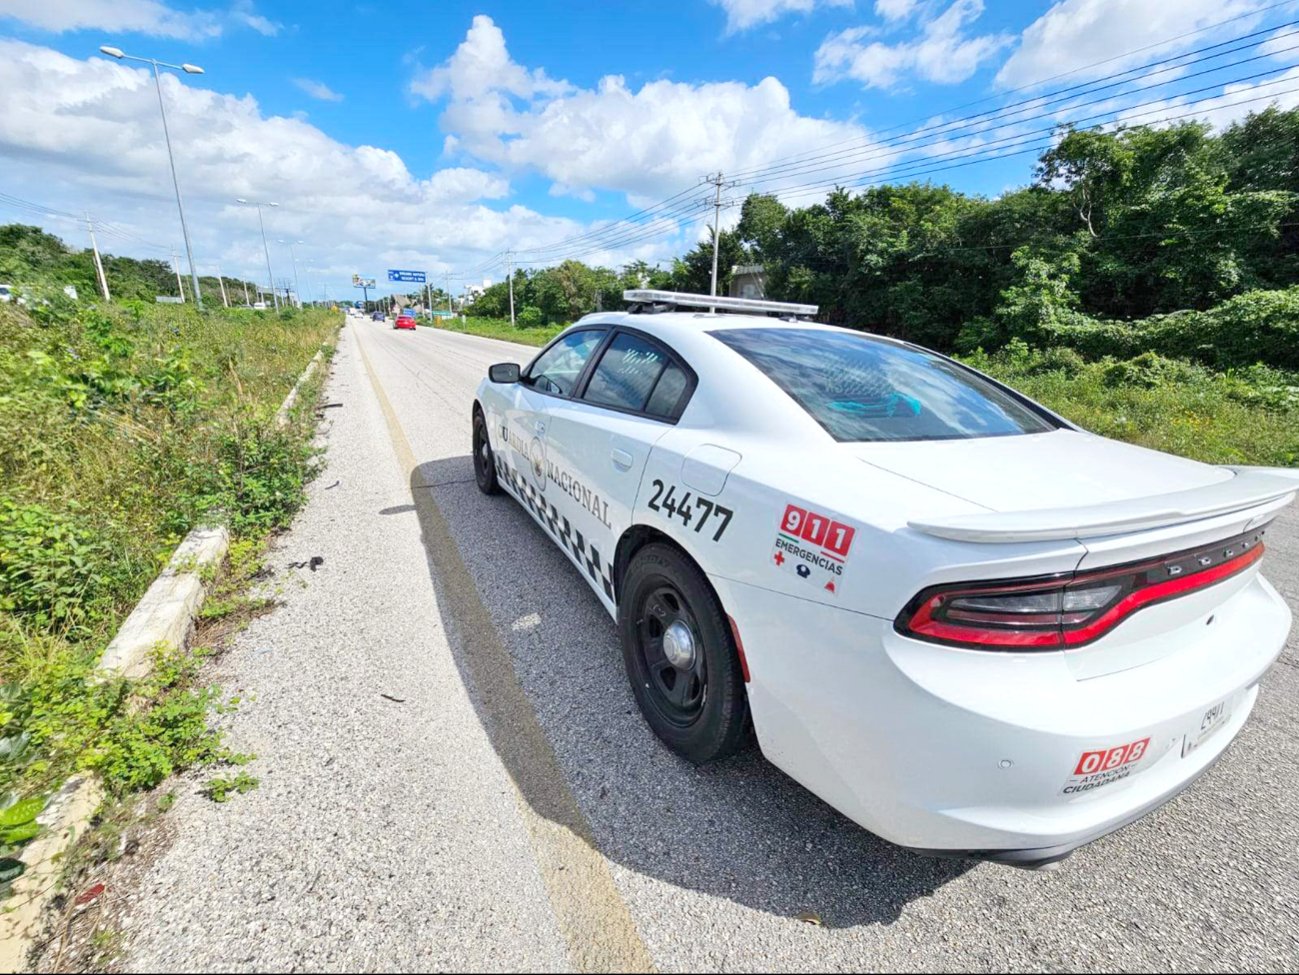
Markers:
point(738, 829)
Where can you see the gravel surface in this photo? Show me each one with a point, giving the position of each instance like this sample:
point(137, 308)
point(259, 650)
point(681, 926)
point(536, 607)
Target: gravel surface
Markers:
point(405, 835)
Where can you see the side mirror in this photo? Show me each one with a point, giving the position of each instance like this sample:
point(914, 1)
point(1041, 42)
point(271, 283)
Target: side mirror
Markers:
point(504, 372)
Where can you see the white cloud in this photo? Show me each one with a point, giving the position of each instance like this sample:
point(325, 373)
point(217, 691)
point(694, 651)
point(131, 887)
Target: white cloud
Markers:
point(895, 9)
point(743, 14)
point(942, 51)
point(649, 142)
point(151, 17)
point(91, 129)
point(243, 13)
point(318, 89)
point(1076, 33)
point(481, 69)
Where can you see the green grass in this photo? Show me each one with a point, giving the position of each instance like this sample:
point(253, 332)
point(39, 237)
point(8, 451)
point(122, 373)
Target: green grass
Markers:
point(121, 428)
point(498, 328)
point(1248, 416)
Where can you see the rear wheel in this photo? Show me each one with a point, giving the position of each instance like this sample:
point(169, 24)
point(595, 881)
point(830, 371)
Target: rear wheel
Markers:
point(484, 462)
point(680, 658)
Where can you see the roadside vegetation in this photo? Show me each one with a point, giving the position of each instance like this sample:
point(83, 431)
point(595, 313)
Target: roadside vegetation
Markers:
point(500, 328)
point(121, 428)
point(1145, 284)
point(40, 265)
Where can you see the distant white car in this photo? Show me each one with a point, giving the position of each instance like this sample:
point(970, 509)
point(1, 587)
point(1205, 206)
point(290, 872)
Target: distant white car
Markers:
point(972, 627)
point(6, 292)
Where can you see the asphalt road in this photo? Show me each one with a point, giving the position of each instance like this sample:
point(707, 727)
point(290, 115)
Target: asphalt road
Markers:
point(511, 810)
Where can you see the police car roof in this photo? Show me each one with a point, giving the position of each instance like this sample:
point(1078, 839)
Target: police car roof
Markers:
point(677, 323)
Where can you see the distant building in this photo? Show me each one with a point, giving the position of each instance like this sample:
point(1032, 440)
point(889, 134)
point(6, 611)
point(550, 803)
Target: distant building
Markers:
point(473, 291)
point(748, 281)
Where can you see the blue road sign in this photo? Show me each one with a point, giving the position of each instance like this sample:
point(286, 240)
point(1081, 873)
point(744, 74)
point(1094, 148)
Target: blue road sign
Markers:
point(416, 277)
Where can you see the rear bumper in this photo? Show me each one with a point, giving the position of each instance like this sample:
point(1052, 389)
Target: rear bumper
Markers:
point(965, 753)
point(1045, 856)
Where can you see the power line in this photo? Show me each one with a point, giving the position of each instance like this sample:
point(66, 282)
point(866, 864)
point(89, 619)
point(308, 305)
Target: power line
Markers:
point(1065, 74)
point(980, 157)
point(1105, 115)
point(630, 238)
point(630, 218)
point(910, 142)
point(621, 236)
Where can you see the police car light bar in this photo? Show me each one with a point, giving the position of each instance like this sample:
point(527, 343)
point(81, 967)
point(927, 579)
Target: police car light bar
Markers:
point(648, 296)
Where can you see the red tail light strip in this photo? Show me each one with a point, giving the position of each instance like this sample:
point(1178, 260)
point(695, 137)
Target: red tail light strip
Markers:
point(1176, 586)
point(1084, 606)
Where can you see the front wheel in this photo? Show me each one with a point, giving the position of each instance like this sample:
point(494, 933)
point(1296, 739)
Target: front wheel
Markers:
point(484, 462)
point(680, 657)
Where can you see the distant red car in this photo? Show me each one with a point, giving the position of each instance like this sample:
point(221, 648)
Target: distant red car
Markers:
point(404, 321)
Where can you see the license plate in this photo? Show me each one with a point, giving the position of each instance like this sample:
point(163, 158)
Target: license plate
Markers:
point(1212, 720)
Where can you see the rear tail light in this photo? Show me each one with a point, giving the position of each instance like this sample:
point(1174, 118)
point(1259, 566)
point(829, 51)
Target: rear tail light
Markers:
point(1070, 609)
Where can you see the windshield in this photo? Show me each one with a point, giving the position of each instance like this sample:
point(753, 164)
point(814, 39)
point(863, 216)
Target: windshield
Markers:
point(861, 388)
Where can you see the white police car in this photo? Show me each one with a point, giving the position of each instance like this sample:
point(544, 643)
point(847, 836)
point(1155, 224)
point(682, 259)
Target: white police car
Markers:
point(964, 622)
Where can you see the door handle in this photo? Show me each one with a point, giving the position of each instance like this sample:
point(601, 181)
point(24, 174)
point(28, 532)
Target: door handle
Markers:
point(541, 428)
point(621, 459)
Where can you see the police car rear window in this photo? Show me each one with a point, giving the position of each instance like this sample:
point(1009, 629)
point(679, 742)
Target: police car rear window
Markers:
point(861, 388)
point(626, 373)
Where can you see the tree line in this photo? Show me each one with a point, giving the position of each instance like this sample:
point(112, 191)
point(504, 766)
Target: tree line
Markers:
point(1117, 233)
point(34, 259)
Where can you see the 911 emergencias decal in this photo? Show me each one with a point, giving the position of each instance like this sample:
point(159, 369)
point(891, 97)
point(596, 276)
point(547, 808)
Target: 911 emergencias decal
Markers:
point(699, 512)
point(814, 547)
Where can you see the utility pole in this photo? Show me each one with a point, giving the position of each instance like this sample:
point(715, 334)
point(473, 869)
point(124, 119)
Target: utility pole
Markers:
point(450, 310)
point(99, 265)
point(222, 281)
point(717, 217)
point(509, 272)
point(246, 301)
point(175, 263)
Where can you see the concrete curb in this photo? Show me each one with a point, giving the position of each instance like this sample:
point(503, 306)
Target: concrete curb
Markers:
point(166, 612)
point(282, 414)
point(164, 616)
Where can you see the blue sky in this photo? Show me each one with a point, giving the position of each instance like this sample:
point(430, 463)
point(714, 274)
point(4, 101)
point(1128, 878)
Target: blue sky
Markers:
point(438, 135)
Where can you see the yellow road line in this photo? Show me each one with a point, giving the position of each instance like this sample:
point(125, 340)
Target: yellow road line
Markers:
point(592, 915)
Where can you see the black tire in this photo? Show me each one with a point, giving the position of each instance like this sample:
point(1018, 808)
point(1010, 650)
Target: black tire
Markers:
point(700, 711)
point(484, 461)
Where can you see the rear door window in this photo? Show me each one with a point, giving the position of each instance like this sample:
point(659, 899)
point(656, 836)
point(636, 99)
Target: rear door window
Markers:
point(639, 376)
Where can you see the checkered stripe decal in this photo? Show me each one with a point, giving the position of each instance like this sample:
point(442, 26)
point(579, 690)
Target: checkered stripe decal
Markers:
point(557, 525)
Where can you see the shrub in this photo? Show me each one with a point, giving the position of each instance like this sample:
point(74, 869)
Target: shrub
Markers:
point(1150, 370)
point(53, 567)
point(1256, 327)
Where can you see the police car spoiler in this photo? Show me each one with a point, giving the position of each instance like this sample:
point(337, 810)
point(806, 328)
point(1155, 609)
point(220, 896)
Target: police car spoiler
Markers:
point(1249, 488)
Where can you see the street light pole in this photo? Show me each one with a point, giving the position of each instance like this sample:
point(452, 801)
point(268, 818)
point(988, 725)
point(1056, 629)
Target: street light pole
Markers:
point(270, 278)
point(222, 282)
point(115, 52)
point(293, 255)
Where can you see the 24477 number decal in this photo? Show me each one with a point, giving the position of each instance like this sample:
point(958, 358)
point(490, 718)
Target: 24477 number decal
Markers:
point(699, 511)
